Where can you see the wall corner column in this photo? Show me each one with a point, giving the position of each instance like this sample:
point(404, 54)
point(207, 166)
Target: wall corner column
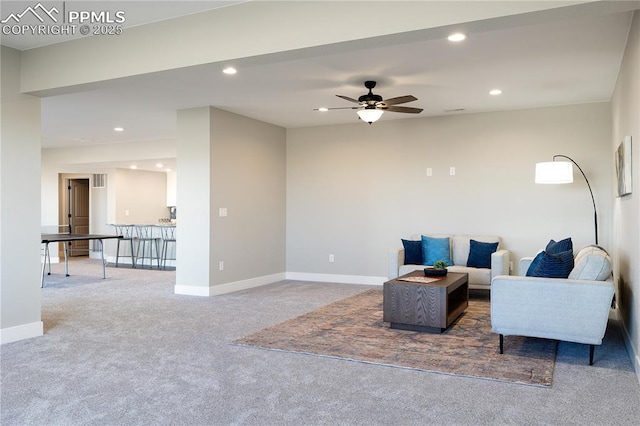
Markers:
point(20, 151)
point(193, 201)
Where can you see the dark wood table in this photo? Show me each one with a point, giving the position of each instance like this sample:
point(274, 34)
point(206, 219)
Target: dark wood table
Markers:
point(425, 306)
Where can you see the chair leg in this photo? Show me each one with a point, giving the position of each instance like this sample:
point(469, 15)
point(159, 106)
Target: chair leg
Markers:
point(164, 254)
point(133, 259)
point(117, 252)
point(158, 252)
point(138, 252)
point(591, 348)
point(501, 344)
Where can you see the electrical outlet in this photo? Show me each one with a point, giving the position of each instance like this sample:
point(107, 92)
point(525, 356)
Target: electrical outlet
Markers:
point(222, 212)
point(126, 212)
point(221, 265)
point(452, 171)
point(331, 258)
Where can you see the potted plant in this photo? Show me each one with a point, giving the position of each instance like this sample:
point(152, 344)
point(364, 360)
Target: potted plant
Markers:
point(439, 269)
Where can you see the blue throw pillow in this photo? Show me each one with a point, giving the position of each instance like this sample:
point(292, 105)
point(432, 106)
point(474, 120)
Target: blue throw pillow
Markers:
point(412, 252)
point(555, 247)
point(434, 249)
point(480, 254)
point(553, 265)
point(534, 264)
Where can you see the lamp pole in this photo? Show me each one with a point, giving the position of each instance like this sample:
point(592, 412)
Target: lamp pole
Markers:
point(595, 214)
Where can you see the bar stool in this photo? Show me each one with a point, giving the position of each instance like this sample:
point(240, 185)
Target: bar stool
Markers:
point(144, 235)
point(127, 233)
point(168, 236)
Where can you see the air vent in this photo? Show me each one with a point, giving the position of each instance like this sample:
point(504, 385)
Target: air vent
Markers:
point(99, 180)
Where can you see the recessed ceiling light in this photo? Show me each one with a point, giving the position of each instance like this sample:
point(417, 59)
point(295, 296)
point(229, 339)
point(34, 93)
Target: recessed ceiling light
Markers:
point(495, 92)
point(159, 165)
point(457, 37)
point(168, 170)
point(119, 129)
point(323, 109)
point(133, 167)
point(229, 70)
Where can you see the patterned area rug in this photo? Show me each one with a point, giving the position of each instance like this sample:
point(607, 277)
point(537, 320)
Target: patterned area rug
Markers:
point(353, 329)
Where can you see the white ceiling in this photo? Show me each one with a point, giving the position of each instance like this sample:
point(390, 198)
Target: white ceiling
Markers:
point(541, 64)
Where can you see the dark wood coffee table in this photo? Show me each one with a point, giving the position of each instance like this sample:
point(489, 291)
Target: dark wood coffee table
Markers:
point(430, 307)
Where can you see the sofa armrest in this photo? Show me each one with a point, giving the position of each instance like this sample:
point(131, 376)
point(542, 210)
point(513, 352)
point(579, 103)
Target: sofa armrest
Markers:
point(500, 263)
point(525, 262)
point(395, 259)
point(551, 308)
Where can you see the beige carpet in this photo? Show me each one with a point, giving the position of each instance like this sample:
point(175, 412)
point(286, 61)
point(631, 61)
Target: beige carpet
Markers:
point(353, 329)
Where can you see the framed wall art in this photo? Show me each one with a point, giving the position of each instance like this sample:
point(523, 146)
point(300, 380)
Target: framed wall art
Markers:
point(623, 167)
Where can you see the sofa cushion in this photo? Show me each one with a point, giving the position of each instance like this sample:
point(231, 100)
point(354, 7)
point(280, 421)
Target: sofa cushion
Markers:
point(477, 276)
point(434, 249)
point(461, 246)
point(412, 252)
point(555, 247)
point(550, 265)
point(591, 263)
point(480, 254)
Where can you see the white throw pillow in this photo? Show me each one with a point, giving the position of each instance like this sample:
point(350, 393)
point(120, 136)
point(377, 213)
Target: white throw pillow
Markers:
point(591, 263)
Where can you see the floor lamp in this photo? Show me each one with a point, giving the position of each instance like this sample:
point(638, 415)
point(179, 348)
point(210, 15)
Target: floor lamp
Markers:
point(554, 172)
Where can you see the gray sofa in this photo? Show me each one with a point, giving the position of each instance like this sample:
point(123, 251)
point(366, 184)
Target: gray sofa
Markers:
point(575, 309)
point(479, 278)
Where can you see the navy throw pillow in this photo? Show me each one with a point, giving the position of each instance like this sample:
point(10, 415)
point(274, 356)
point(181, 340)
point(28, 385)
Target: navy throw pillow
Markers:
point(555, 247)
point(534, 264)
point(434, 249)
point(553, 265)
point(412, 252)
point(480, 254)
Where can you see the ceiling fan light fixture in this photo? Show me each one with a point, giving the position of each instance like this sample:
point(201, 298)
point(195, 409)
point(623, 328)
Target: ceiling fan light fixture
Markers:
point(370, 115)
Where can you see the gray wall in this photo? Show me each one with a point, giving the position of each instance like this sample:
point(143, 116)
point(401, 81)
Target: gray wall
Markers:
point(20, 293)
point(625, 108)
point(227, 161)
point(355, 190)
point(248, 160)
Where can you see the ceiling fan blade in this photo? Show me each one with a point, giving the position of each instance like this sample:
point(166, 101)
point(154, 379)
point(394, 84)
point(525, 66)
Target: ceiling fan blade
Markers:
point(346, 98)
point(399, 100)
point(354, 107)
point(407, 110)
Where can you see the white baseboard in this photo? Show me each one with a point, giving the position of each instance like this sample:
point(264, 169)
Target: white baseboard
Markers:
point(192, 290)
point(231, 287)
point(634, 356)
point(335, 278)
point(21, 332)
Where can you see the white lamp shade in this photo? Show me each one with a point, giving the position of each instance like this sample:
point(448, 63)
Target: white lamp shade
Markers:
point(554, 172)
point(370, 115)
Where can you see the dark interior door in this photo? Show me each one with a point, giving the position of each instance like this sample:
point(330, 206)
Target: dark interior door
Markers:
point(79, 214)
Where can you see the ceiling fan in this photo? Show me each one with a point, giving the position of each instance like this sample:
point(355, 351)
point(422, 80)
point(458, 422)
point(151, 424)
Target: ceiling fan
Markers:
point(371, 106)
